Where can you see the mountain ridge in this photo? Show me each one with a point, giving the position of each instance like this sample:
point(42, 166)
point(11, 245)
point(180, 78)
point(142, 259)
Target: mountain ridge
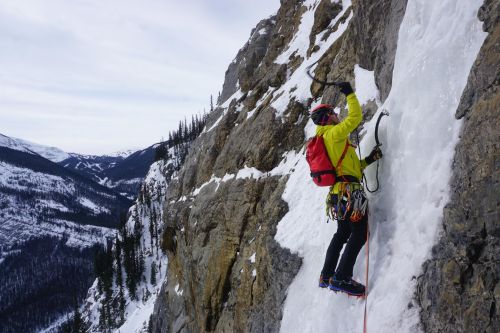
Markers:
point(123, 172)
point(51, 153)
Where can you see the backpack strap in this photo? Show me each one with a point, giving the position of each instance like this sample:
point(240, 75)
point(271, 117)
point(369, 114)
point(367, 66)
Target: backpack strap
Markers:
point(345, 178)
point(343, 155)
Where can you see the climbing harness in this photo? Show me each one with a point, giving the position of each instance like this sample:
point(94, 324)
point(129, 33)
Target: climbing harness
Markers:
point(350, 198)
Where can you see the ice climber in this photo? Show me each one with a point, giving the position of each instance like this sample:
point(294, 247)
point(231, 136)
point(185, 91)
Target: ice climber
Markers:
point(346, 201)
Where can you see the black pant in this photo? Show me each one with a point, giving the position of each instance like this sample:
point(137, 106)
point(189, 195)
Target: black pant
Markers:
point(355, 235)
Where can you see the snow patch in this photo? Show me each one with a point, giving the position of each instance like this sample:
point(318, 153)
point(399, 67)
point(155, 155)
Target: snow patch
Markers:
point(247, 172)
point(366, 89)
point(178, 290)
point(54, 205)
point(252, 258)
point(93, 206)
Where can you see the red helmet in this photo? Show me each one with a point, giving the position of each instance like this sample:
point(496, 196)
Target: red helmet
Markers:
point(321, 114)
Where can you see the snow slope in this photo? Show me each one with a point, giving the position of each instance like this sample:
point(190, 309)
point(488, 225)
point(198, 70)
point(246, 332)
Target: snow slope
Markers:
point(51, 153)
point(438, 42)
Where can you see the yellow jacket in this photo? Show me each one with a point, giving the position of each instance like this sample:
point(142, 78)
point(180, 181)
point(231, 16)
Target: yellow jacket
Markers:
point(335, 136)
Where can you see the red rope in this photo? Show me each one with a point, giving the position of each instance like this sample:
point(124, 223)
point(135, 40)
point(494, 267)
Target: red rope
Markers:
point(365, 321)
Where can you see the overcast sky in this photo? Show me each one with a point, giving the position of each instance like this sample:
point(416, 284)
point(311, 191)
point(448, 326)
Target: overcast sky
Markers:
point(95, 76)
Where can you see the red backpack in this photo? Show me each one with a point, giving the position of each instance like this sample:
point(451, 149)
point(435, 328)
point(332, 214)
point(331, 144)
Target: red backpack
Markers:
point(322, 171)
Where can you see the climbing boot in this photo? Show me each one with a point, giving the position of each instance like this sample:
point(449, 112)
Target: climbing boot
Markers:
point(323, 281)
point(350, 287)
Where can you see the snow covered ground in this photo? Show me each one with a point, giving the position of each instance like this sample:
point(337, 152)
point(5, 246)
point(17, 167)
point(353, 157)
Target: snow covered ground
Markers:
point(51, 153)
point(438, 42)
point(21, 220)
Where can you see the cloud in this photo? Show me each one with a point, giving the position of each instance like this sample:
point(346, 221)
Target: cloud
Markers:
point(114, 67)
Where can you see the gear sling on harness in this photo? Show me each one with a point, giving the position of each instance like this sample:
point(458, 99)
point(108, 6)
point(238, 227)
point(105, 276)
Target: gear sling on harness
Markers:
point(350, 199)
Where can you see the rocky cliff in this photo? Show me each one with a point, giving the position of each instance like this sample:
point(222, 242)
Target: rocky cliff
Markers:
point(232, 274)
point(226, 271)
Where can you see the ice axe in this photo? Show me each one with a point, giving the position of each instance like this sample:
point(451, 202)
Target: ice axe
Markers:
point(326, 83)
point(377, 145)
point(383, 113)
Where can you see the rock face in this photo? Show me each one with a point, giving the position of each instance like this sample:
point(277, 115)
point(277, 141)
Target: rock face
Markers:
point(231, 271)
point(460, 288)
point(226, 272)
point(375, 35)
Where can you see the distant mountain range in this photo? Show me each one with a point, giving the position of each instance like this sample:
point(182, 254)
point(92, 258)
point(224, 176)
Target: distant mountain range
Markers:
point(39, 197)
point(122, 171)
point(54, 208)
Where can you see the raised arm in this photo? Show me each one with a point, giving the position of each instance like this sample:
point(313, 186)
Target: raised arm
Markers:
point(341, 131)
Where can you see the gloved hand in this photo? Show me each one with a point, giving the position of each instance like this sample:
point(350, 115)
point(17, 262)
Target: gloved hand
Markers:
point(375, 155)
point(345, 88)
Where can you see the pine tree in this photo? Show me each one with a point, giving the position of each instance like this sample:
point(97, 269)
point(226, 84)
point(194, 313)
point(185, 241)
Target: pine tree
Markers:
point(121, 305)
point(129, 263)
point(186, 131)
point(102, 317)
point(180, 133)
point(151, 230)
point(119, 281)
point(153, 273)
point(170, 140)
point(192, 129)
point(150, 324)
point(155, 229)
point(77, 324)
point(161, 152)
point(106, 278)
point(140, 265)
point(131, 280)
